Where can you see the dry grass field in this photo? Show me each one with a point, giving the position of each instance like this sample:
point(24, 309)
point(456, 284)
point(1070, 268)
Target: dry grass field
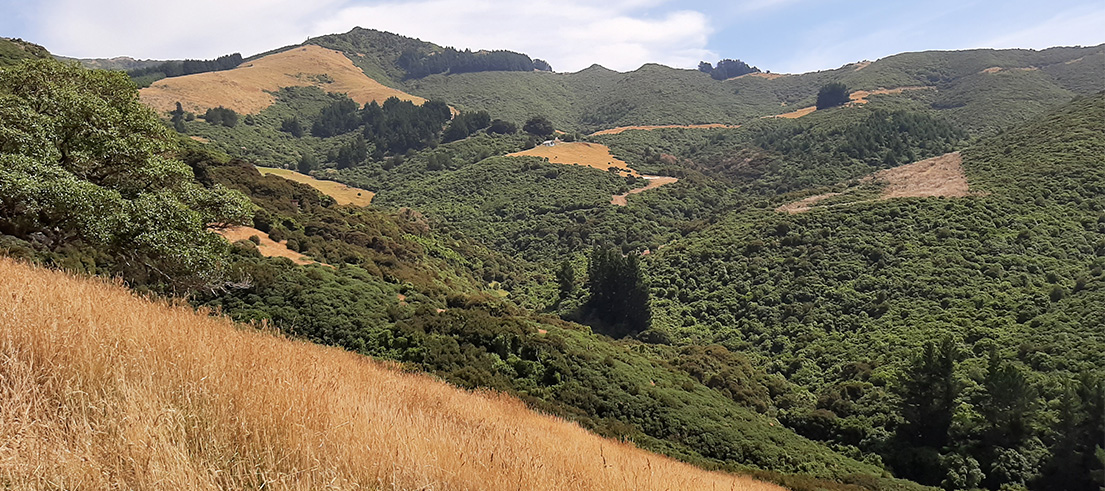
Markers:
point(344, 195)
point(857, 97)
point(582, 153)
point(267, 247)
point(247, 89)
point(623, 129)
point(100, 389)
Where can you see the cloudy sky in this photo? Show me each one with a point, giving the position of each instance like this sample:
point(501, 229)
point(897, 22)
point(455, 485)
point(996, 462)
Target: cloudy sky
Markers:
point(776, 35)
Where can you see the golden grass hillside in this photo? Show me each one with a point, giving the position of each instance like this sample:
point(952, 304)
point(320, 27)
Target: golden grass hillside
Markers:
point(344, 195)
point(100, 389)
point(248, 88)
point(579, 153)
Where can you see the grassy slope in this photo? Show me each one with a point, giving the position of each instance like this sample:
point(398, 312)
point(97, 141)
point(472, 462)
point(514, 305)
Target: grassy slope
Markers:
point(14, 50)
point(103, 389)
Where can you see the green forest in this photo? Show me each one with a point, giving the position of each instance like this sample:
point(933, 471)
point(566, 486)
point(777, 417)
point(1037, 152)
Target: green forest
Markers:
point(909, 343)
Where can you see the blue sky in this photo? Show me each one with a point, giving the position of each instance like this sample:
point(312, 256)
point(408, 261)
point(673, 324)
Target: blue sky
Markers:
point(777, 35)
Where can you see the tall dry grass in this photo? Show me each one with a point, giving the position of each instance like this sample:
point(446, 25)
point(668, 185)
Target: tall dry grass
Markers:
point(100, 389)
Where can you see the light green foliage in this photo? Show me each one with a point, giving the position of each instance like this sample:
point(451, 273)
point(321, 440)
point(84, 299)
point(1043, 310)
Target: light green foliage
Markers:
point(85, 163)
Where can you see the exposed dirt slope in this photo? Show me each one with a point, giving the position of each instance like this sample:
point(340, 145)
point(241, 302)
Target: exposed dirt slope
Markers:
point(247, 89)
point(344, 195)
point(101, 389)
point(857, 97)
point(938, 176)
point(653, 183)
point(582, 153)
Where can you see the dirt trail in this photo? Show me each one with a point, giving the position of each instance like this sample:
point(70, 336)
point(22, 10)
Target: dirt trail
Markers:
point(857, 97)
point(248, 89)
point(653, 183)
point(622, 129)
point(938, 176)
point(267, 247)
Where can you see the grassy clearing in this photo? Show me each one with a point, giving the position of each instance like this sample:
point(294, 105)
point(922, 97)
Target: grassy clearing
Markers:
point(581, 153)
point(267, 247)
point(344, 195)
point(248, 89)
point(100, 389)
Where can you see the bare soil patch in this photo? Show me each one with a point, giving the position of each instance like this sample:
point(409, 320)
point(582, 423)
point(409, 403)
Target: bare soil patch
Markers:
point(623, 129)
point(860, 96)
point(248, 89)
point(267, 247)
point(798, 113)
point(804, 205)
point(653, 183)
point(581, 153)
point(861, 65)
point(344, 195)
point(938, 176)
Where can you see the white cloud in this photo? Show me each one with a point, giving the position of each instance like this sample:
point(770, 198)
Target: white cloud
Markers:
point(570, 34)
point(1069, 28)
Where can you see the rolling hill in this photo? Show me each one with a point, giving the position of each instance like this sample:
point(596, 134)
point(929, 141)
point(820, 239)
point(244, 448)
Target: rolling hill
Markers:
point(104, 389)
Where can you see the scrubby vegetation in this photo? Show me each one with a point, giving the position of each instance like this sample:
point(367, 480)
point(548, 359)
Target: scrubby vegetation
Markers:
point(147, 75)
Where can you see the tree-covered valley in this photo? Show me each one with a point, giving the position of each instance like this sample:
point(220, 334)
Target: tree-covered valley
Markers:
point(869, 341)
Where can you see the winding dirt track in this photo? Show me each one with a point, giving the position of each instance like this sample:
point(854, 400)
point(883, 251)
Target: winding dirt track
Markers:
point(653, 183)
point(622, 129)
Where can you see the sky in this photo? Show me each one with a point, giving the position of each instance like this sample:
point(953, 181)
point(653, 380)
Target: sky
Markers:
point(783, 36)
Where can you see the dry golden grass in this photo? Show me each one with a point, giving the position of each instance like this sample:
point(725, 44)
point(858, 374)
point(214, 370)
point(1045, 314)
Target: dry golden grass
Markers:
point(582, 153)
point(861, 65)
point(938, 176)
point(857, 97)
point(247, 89)
point(798, 113)
point(267, 247)
point(100, 389)
point(769, 76)
point(623, 129)
point(344, 195)
point(804, 205)
point(653, 183)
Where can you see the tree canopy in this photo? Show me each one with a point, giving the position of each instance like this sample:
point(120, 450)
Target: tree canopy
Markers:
point(84, 164)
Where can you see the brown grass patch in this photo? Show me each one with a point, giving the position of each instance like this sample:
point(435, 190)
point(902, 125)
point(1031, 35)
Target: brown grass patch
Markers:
point(653, 183)
point(100, 389)
point(344, 195)
point(798, 113)
point(247, 89)
point(860, 96)
point(938, 176)
point(769, 76)
point(200, 139)
point(861, 65)
point(267, 247)
point(623, 129)
point(993, 69)
point(582, 153)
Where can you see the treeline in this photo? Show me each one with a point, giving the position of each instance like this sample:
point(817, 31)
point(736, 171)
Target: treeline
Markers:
point(727, 69)
point(188, 67)
point(452, 61)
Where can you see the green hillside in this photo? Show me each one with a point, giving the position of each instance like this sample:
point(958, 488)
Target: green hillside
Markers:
point(12, 51)
point(840, 301)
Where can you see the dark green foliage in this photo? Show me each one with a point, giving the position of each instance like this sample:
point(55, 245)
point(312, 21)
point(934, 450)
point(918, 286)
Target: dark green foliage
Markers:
point(464, 124)
point(619, 293)
point(727, 69)
point(86, 181)
point(398, 126)
point(500, 127)
point(307, 163)
point(539, 126)
point(221, 116)
point(339, 117)
point(831, 95)
point(420, 64)
point(293, 127)
point(352, 153)
point(147, 75)
point(566, 279)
